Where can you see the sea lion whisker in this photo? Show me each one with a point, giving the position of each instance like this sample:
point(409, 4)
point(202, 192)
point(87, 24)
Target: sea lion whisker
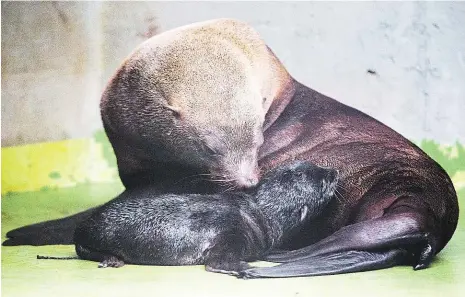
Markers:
point(345, 188)
point(198, 177)
point(191, 177)
point(339, 196)
point(222, 180)
point(228, 189)
point(342, 187)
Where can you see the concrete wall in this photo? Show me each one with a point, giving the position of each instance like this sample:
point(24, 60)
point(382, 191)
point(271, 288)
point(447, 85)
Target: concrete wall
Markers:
point(56, 58)
point(51, 71)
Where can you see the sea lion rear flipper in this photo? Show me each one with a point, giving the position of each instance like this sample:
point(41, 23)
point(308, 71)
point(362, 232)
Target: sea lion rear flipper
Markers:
point(58, 231)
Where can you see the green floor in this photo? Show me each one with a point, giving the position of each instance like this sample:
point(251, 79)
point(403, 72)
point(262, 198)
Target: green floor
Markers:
point(24, 275)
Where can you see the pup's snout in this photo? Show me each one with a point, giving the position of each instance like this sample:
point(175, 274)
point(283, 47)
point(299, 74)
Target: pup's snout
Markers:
point(332, 175)
point(330, 181)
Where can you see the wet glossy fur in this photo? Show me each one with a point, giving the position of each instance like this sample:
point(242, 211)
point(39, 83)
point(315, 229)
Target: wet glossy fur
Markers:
point(398, 206)
point(221, 231)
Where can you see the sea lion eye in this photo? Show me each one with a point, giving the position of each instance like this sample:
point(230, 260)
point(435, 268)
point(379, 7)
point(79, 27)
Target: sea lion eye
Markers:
point(258, 141)
point(210, 150)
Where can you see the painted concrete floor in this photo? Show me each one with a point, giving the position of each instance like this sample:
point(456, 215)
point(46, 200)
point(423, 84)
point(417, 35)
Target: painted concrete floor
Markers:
point(24, 275)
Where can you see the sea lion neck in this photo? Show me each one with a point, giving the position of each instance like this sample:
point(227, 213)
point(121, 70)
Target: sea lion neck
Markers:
point(280, 128)
point(280, 103)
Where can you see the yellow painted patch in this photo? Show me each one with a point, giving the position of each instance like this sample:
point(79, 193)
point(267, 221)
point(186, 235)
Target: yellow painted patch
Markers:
point(55, 164)
point(449, 151)
point(91, 160)
point(459, 180)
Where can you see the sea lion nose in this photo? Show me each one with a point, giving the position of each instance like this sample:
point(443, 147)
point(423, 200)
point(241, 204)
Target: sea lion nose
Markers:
point(248, 174)
point(248, 182)
point(252, 181)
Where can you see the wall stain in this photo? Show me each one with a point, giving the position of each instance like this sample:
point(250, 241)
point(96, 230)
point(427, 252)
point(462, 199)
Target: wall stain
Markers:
point(152, 28)
point(372, 72)
point(61, 14)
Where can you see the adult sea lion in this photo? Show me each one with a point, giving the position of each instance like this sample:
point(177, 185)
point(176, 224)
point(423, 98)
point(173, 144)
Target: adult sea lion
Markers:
point(399, 206)
point(185, 108)
point(218, 230)
point(192, 101)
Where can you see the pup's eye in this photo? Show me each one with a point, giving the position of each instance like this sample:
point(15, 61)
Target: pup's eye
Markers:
point(303, 213)
point(211, 151)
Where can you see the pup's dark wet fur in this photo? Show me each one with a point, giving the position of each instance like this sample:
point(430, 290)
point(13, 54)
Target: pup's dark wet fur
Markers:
point(221, 231)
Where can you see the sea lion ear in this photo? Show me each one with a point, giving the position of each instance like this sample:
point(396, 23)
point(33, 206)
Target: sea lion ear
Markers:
point(264, 101)
point(175, 109)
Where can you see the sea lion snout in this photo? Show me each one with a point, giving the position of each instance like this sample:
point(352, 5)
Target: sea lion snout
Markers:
point(242, 176)
point(237, 177)
point(248, 175)
point(237, 168)
point(329, 180)
point(247, 182)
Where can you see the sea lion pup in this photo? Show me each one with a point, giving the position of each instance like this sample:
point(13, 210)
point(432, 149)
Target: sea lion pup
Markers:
point(219, 230)
point(398, 206)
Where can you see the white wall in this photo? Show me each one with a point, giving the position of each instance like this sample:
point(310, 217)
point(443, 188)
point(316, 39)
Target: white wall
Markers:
point(51, 71)
point(416, 48)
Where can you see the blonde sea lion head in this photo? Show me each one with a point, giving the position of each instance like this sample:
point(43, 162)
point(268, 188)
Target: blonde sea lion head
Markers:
point(211, 84)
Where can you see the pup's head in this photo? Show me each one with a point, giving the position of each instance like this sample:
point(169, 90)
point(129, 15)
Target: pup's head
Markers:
point(296, 191)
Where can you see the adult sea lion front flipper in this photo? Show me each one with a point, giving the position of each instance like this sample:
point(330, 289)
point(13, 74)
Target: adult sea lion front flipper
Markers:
point(389, 241)
point(336, 263)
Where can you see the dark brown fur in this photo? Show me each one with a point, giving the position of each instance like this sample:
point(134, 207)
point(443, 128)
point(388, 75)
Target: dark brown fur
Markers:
point(396, 204)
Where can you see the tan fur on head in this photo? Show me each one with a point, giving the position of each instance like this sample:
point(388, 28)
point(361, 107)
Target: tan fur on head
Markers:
point(204, 77)
point(200, 67)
